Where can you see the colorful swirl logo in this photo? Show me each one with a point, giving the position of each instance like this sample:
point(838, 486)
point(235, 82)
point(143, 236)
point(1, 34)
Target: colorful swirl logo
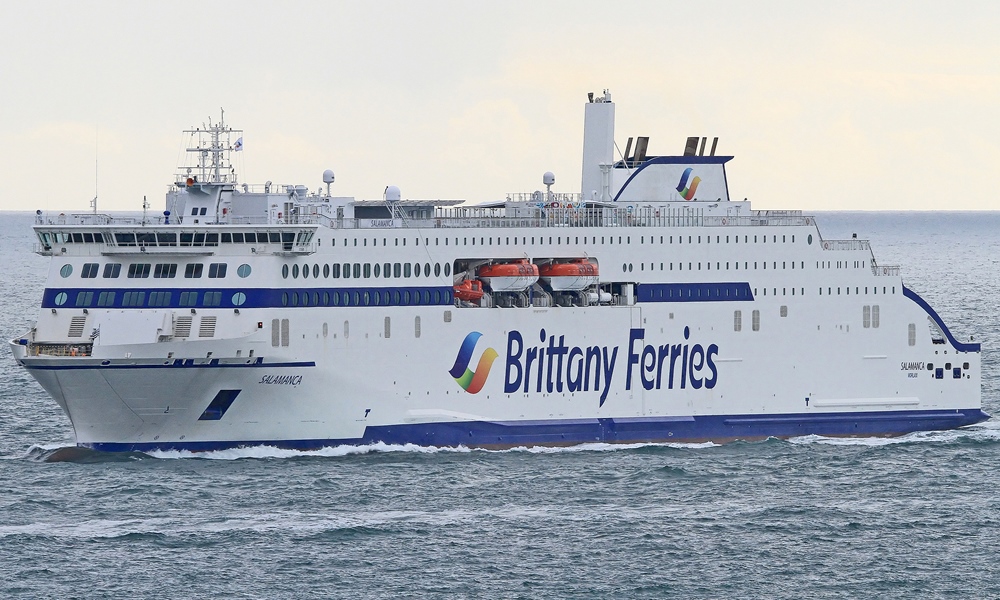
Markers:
point(472, 381)
point(688, 192)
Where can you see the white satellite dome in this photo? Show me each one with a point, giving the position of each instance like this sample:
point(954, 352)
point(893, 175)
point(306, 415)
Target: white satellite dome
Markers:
point(328, 176)
point(392, 194)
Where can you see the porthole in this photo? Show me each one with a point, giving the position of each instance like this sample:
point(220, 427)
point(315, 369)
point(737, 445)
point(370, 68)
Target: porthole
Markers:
point(295, 271)
point(447, 269)
point(315, 271)
point(437, 296)
point(357, 299)
point(315, 298)
point(346, 298)
point(406, 296)
point(336, 299)
point(284, 296)
point(378, 269)
point(326, 298)
point(284, 271)
point(427, 270)
point(326, 271)
point(243, 270)
point(427, 295)
point(305, 271)
point(66, 270)
point(367, 299)
point(305, 298)
point(61, 298)
point(624, 267)
point(377, 298)
point(385, 298)
point(809, 239)
point(437, 269)
point(295, 299)
point(239, 298)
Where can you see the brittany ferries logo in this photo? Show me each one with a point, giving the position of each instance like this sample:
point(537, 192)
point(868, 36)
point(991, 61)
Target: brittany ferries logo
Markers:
point(472, 381)
point(682, 186)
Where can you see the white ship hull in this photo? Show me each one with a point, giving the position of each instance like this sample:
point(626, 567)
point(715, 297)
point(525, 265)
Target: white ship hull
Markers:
point(330, 324)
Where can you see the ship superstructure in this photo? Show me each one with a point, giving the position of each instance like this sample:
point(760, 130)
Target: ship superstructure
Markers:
point(648, 307)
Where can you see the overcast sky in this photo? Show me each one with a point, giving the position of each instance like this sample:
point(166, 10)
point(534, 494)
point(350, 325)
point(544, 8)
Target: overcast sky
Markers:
point(826, 106)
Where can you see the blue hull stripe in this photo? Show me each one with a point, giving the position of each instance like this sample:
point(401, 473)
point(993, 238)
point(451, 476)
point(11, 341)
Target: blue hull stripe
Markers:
point(694, 292)
point(482, 434)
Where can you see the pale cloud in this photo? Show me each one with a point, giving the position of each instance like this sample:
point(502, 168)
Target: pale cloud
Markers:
point(853, 106)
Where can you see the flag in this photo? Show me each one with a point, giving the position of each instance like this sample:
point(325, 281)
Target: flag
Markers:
point(239, 144)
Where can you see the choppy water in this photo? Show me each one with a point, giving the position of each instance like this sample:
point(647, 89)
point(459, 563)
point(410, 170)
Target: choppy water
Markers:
point(911, 517)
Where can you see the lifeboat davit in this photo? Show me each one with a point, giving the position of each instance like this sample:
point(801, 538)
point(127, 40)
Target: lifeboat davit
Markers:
point(512, 276)
point(578, 274)
point(470, 290)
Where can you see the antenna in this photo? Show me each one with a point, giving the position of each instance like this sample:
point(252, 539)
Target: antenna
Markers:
point(93, 203)
point(145, 206)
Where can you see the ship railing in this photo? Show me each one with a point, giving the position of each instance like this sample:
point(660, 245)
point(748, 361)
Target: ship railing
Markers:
point(846, 245)
point(72, 350)
point(93, 219)
point(494, 218)
point(886, 270)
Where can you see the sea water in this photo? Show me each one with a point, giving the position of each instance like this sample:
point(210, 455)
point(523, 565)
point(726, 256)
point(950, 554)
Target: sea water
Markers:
point(909, 517)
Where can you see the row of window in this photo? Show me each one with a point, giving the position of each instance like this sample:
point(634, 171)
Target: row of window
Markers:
point(373, 297)
point(628, 267)
point(159, 270)
point(137, 299)
point(559, 240)
point(857, 290)
point(365, 270)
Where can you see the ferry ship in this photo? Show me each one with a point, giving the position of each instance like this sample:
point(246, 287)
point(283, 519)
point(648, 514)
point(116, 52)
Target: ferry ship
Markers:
point(649, 307)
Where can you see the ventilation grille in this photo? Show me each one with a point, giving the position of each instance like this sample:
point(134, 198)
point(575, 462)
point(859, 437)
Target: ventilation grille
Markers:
point(76, 326)
point(182, 327)
point(206, 328)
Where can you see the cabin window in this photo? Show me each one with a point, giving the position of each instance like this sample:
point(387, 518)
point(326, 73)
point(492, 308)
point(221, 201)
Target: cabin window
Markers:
point(397, 270)
point(106, 299)
point(138, 271)
point(912, 334)
point(84, 298)
point(165, 271)
point(217, 270)
point(243, 270)
point(783, 311)
point(378, 270)
point(875, 317)
point(191, 299)
point(112, 270)
point(866, 316)
point(755, 324)
point(89, 271)
point(738, 320)
point(357, 270)
point(368, 270)
point(407, 269)
point(295, 271)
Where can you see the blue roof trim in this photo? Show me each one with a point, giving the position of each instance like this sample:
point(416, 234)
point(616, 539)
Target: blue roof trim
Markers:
point(675, 160)
point(562, 432)
point(937, 319)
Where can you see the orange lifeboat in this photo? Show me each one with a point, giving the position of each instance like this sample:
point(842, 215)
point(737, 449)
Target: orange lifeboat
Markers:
point(470, 290)
point(577, 274)
point(511, 276)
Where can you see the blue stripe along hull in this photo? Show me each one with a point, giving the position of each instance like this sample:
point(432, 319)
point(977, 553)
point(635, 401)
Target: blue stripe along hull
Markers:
point(482, 434)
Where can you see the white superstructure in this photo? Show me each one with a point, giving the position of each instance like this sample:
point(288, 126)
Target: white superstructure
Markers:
point(649, 307)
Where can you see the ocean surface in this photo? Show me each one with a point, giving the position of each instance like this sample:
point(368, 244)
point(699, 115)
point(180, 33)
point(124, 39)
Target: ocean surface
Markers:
point(910, 517)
